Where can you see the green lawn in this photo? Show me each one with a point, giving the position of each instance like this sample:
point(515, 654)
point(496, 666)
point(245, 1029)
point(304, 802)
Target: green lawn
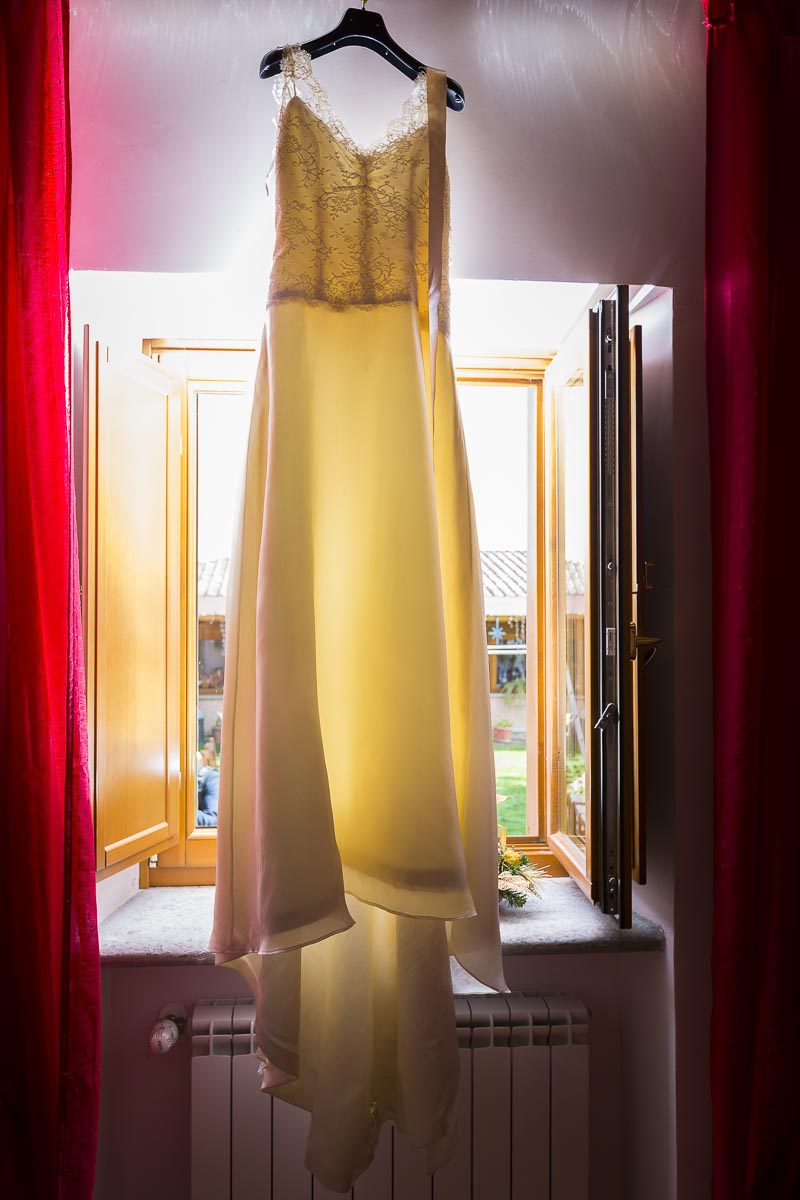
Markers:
point(510, 764)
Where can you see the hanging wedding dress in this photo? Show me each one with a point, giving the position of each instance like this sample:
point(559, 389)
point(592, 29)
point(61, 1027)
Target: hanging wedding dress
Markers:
point(357, 821)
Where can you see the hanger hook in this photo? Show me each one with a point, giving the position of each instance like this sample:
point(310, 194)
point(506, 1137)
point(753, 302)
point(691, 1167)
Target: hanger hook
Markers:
point(363, 4)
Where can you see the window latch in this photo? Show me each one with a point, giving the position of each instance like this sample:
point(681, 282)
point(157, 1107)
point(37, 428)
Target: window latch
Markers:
point(648, 645)
point(609, 716)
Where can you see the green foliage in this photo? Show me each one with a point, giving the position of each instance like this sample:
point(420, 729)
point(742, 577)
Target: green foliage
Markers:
point(510, 764)
point(516, 877)
point(511, 769)
point(575, 767)
point(515, 689)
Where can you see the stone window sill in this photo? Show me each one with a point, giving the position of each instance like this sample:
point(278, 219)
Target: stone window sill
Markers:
point(171, 926)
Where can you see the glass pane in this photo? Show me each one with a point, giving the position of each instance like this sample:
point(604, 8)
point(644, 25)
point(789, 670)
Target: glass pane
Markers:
point(221, 442)
point(574, 519)
point(495, 420)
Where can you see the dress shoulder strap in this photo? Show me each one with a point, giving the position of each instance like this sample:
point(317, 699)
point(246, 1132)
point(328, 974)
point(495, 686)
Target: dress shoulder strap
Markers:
point(437, 126)
point(295, 74)
point(437, 217)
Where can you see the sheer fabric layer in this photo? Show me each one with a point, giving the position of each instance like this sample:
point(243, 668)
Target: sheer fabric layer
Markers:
point(358, 1029)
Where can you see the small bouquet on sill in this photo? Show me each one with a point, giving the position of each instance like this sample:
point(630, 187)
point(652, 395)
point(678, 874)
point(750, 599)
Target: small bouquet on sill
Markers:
point(516, 875)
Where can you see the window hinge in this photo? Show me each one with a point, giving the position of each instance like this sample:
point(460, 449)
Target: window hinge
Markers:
point(152, 860)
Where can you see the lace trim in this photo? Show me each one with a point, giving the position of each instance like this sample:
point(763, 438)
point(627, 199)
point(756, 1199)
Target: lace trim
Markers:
point(351, 223)
point(323, 300)
point(297, 79)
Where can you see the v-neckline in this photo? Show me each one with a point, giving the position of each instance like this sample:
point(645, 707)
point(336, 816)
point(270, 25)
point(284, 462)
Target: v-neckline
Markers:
point(404, 125)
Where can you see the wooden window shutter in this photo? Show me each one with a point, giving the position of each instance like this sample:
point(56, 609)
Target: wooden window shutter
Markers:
point(132, 616)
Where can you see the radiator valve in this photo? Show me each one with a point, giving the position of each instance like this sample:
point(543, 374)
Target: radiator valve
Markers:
point(168, 1028)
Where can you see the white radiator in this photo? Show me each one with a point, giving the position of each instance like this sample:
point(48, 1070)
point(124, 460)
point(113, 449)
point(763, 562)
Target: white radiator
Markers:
point(523, 1112)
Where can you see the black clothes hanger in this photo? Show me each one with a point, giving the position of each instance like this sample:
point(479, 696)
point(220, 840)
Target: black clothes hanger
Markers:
point(361, 28)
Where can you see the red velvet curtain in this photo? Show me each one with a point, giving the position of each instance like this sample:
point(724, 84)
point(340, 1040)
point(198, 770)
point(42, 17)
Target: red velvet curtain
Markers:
point(752, 338)
point(49, 994)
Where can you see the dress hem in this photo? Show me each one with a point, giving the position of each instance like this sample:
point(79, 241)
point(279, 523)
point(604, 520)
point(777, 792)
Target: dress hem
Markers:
point(279, 943)
point(452, 905)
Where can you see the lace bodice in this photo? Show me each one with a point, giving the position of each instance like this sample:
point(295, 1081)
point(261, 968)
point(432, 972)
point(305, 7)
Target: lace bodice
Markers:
point(351, 221)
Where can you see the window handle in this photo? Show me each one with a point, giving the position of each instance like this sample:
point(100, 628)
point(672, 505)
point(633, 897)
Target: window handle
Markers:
point(609, 716)
point(649, 645)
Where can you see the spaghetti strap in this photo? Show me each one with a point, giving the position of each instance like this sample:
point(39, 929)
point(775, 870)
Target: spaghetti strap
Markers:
point(437, 126)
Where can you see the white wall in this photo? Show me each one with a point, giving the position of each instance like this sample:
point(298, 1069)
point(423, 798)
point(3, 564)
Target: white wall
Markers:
point(579, 157)
point(116, 890)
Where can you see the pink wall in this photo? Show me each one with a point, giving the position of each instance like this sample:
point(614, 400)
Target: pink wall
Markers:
point(144, 1132)
point(580, 156)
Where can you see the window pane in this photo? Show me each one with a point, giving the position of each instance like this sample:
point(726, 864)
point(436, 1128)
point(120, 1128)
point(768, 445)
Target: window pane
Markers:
point(495, 420)
point(574, 509)
point(221, 442)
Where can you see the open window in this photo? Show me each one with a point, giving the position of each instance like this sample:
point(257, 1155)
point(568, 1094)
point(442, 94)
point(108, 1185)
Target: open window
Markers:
point(213, 378)
point(554, 447)
point(596, 577)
